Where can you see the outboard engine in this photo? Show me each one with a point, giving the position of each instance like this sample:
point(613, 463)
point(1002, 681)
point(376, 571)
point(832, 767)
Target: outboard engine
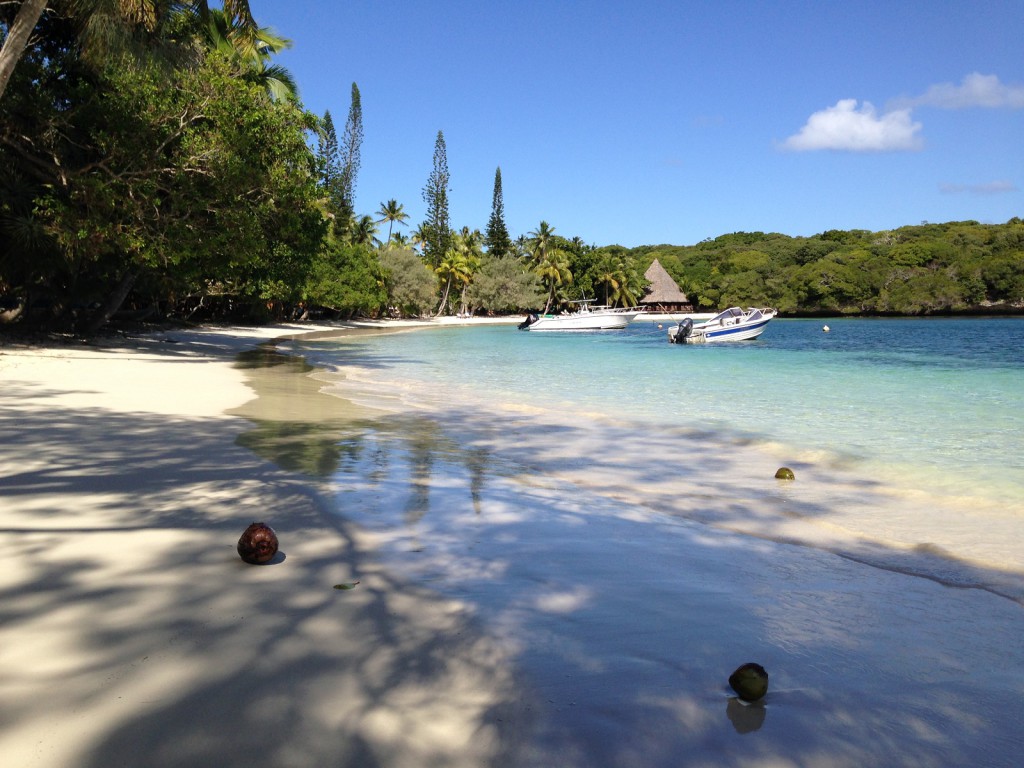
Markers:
point(683, 331)
point(530, 320)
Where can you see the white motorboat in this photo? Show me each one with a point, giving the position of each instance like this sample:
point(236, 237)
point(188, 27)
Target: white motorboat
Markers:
point(586, 318)
point(734, 324)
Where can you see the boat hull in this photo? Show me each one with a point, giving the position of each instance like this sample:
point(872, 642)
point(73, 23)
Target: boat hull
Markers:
point(736, 334)
point(587, 321)
point(723, 330)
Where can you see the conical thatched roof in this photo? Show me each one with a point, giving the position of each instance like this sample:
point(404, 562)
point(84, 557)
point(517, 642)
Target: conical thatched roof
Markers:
point(663, 289)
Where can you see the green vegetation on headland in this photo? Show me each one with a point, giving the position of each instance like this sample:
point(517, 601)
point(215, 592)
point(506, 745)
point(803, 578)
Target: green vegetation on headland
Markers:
point(957, 267)
point(154, 164)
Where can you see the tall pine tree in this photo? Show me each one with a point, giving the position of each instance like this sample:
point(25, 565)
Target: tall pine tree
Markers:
point(498, 242)
point(437, 228)
point(351, 143)
point(330, 163)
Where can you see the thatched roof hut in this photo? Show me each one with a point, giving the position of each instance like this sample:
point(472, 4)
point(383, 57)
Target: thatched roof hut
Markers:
point(664, 294)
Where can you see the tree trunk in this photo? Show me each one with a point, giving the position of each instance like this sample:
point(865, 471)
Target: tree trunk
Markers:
point(17, 38)
point(114, 302)
point(547, 304)
point(444, 299)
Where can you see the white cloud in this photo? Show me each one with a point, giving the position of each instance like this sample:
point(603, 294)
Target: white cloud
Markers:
point(845, 127)
point(975, 90)
point(988, 188)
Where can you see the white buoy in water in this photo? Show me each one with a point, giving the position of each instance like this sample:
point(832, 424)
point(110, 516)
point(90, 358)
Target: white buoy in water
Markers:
point(826, 329)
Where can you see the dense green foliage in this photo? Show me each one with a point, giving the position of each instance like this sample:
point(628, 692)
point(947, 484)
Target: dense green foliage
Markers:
point(347, 279)
point(502, 285)
point(157, 184)
point(929, 268)
point(410, 284)
point(171, 171)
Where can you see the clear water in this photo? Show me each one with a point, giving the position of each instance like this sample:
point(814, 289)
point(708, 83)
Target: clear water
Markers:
point(604, 504)
point(907, 435)
point(931, 404)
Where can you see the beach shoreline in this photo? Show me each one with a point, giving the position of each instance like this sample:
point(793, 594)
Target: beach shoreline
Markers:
point(130, 631)
point(525, 621)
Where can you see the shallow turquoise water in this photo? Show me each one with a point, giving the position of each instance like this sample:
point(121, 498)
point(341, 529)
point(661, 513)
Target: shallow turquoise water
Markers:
point(907, 436)
point(929, 404)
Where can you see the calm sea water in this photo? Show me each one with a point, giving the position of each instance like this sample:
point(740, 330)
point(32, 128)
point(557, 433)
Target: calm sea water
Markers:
point(936, 404)
point(909, 432)
point(604, 505)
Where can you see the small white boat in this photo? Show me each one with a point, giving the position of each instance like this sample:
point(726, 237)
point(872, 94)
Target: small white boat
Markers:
point(734, 324)
point(586, 318)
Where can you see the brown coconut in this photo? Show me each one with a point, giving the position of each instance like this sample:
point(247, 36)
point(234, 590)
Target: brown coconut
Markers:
point(258, 544)
point(750, 681)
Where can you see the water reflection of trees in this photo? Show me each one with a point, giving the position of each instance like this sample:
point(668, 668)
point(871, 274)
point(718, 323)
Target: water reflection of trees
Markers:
point(311, 449)
point(375, 451)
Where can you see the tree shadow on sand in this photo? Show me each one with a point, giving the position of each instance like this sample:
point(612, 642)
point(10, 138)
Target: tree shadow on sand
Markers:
point(178, 654)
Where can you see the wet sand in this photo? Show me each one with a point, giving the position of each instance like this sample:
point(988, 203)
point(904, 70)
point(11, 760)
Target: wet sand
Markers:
point(516, 605)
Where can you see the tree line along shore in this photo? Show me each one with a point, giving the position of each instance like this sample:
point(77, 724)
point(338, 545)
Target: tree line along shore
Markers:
point(161, 167)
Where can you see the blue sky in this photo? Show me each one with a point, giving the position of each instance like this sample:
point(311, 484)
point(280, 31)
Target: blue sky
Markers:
point(647, 122)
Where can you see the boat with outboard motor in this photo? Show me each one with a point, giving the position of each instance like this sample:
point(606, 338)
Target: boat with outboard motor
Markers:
point(734, 324)
point(585, 318)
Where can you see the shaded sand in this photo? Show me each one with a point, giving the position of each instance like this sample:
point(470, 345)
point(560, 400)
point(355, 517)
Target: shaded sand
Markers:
point(132, 634)
point(517, 604)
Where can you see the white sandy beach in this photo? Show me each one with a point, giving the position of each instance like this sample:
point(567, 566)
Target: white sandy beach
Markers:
point(132, 634)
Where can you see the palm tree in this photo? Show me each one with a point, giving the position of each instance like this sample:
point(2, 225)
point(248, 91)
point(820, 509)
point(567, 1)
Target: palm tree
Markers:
point(554, 271)
point(419, 235)
point(364, 231)
point(470, 244)
point(540, 241)
point(629, 289)
point(454, 266)
point(393, 213)
point(520, 248)
point(110, 23)
point(609, 278)
point(459, 263)
point(550, 262)
point(252, 48)
point(398, 240)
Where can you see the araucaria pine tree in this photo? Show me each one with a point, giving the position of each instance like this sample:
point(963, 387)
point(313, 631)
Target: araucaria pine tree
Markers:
point(437, 229)
point(350, 145)
point(330, 163)
point(498, 242)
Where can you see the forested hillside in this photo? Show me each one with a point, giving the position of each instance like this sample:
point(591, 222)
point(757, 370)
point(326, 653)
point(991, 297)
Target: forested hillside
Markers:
point(959, 266)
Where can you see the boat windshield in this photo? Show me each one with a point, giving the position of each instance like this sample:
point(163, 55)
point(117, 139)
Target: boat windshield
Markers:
point(727, 314)
point(755, 314)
